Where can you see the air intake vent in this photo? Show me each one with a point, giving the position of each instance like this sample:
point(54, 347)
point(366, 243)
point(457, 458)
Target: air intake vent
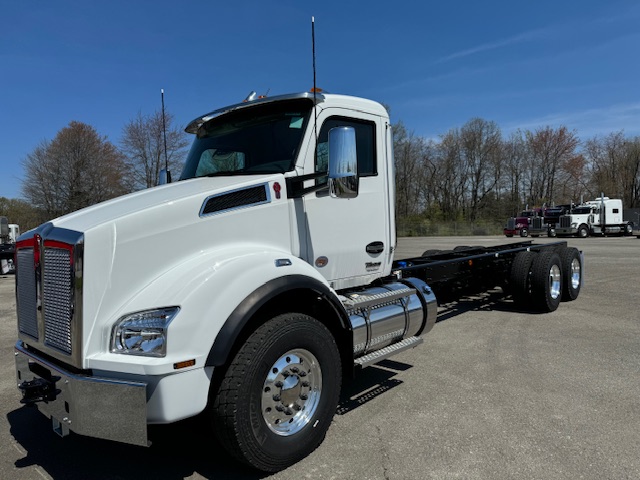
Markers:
point(239, 199)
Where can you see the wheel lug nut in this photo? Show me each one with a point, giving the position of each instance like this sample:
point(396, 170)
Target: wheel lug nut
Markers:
point(279, 408)
point(279, 384)
point(303, 373)
point(297, 407)
point(276, 398)
point(295, 369)
point(303, 396)
point(288, 412)
point(305, 384)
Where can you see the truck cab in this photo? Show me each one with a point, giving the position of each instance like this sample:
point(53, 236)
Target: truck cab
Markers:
point(284, 219)
point(602, 216)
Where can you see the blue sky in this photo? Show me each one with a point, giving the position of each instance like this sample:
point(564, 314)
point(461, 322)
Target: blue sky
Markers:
point(436, 64)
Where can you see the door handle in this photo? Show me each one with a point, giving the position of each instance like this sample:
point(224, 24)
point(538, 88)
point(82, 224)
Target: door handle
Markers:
point(375, 247)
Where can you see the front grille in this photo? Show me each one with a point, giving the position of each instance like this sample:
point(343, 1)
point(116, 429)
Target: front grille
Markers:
point(511, 223)
point(536, 223)
point(57, 298)
point(26, 293)
point(565, 221)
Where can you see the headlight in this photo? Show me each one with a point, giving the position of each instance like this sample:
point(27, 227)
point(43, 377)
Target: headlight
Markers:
point(574, 225)
point(143, 333)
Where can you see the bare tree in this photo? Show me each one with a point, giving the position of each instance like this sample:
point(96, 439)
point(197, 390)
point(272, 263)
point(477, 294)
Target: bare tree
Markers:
point(615, 167)
point(408, 153)
point(549, 150)
point(76, 169)
point(481, 143)
point(143, 145)
point(515, 154)
point(21, 212)
point(448, 178)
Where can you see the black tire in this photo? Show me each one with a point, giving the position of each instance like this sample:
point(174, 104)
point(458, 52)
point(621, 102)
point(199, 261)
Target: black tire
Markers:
point(628, 229)
point(277, 397)
point(524, 232)
point(571, 273)
point(546, 281)
point(552, 233)
point(583, 231)
point(428, 253)
point(520, 279)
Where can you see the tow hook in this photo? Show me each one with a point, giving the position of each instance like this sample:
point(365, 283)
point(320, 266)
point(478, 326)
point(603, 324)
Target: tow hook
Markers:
point(38, 390)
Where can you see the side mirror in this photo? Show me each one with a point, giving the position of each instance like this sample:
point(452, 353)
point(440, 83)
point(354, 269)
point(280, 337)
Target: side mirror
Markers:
point(343, 163)
point(165, 177)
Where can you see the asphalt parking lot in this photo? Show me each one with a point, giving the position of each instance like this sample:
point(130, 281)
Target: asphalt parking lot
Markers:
point(490, 394)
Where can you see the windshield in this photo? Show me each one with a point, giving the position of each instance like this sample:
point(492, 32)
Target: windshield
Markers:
point(581, 210)
point(261, 139)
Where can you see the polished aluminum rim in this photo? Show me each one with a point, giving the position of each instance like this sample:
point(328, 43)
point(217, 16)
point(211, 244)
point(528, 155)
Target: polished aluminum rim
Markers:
point(291, 392)
point(554, 281)
point(575, 273)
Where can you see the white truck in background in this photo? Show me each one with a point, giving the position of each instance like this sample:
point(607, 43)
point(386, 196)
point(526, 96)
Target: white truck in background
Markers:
point(9, 232)
point(284, 285)
point(602, 216)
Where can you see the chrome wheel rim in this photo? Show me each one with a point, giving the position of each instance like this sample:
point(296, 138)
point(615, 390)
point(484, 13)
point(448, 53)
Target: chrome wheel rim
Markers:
point(291, 392)
point(554, 281)
point(575, 273)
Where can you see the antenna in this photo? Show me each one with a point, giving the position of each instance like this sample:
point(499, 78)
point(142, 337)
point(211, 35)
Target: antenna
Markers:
point(313, 50)
point(315, 109)
point(164, 134)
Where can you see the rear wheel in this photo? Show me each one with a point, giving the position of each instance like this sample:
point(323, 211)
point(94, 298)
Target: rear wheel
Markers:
point(546, 281)
point(278, 395)
point(520, 279)
point(571, 273)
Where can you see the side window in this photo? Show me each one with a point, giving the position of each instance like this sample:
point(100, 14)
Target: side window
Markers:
point(365, 145)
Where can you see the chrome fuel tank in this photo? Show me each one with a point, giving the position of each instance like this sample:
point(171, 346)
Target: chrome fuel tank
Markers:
point(386, 314)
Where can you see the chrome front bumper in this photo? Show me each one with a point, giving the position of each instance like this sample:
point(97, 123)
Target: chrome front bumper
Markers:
point(104, 408)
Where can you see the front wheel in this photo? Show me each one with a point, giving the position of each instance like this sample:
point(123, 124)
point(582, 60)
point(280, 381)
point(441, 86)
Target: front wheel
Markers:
point(524, 232)
point(276, 399)
point(583, 231)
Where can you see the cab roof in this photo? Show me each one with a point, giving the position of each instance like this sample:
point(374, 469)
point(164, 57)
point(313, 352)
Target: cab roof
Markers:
point(326, 99)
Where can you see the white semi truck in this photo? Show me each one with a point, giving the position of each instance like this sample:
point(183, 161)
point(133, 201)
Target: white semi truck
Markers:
point(9, 232)
point(283, 287)
point(602, 216)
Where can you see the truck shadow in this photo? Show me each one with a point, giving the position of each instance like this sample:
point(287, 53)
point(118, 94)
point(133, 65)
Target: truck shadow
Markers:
point(490, 300)
point(369, 384)
point(178, 451)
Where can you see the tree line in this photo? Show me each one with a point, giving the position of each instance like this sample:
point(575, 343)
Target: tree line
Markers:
point(80, 167)
point(472, 174)
point(476, 174)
